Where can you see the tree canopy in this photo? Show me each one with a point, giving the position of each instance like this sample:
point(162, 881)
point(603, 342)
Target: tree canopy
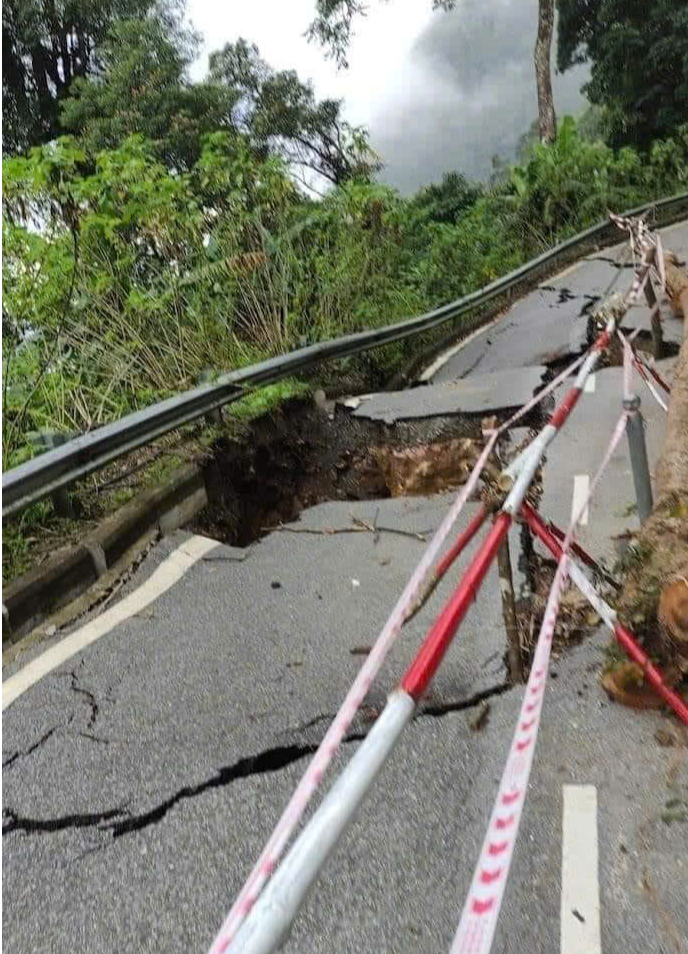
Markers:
point(280, 113)
point(46, 44)
point(143, 88)
point(639, 57)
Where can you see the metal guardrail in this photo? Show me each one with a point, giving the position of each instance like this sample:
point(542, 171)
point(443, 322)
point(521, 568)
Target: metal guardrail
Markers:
point(43, 475)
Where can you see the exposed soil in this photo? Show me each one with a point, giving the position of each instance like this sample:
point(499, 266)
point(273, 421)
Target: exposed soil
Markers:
point(576, 619)
point(301, 456)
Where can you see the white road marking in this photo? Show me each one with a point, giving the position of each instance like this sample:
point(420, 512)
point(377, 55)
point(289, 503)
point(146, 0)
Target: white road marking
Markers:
point(590, 384)
point(581, 488)
point(580, 890)
point(167, 574)
point(442, 359)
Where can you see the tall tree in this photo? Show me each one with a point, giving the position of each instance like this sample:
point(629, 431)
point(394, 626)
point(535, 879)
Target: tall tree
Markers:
point(46, 44)
point(280, 114)
point(143, 88)
point(543, 45)
point(639, 57)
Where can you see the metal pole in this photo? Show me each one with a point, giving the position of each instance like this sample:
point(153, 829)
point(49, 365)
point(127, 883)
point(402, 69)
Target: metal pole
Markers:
point(268, 925)
point(655, 317)
point(638, 454)
point(506, 591)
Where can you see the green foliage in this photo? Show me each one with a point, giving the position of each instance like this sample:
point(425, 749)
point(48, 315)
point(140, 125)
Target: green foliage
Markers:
point(268, 398)
point(46, 45)
point(571, 183)
point(143, 89)
point(447, 200)
point(639, 58)
point(124, 280)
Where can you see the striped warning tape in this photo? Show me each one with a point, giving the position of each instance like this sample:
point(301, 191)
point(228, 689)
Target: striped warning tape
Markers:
point(481, 910)
point(413, 591)
point(480, 913)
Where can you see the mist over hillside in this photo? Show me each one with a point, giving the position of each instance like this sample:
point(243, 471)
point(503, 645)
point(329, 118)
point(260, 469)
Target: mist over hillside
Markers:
point(469, 93)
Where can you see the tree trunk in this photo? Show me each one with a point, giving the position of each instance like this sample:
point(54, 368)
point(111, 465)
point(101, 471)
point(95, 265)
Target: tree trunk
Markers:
point(546, 117)
point(654, 600)
point(672, 469)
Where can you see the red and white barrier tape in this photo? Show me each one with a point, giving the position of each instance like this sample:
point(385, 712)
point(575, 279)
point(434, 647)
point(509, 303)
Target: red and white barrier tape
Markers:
point(330, 743)
point(608, 616)
point(480, 913)
point(481, 910)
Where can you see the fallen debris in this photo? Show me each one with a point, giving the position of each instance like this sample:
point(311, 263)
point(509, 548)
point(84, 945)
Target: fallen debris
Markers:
point(478, 723)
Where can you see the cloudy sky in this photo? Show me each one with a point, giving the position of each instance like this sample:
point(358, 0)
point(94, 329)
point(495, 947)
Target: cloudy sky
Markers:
point(437, 91)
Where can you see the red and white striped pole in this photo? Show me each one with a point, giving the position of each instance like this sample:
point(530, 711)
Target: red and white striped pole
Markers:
point(406, 605)
point(608, 615)
point(267, 923)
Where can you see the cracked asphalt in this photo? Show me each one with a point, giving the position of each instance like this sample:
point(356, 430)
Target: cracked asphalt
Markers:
point(142, 777)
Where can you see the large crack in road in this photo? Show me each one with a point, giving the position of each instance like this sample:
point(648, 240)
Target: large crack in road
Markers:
point(118, 821)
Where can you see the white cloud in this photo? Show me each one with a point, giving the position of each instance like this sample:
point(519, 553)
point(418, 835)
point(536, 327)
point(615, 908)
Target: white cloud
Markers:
point(437, 91)
point(377, 56)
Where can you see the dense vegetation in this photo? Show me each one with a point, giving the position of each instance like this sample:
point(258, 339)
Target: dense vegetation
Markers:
point(125, 279)
point(169, 231)
point(638, 54)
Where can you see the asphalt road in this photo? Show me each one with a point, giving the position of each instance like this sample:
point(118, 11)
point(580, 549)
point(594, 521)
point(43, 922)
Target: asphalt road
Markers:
point(143, 775)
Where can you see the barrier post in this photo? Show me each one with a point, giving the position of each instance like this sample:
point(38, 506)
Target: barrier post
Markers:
point(506, 592)
point(638, 453)
point(655, 317)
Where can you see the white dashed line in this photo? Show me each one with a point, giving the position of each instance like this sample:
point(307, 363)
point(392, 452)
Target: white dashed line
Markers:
point(581, 488)
point(580, 890)
point(167, 574)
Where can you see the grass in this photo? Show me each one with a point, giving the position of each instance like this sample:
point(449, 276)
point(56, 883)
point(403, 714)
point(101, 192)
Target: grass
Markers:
point(269, 398)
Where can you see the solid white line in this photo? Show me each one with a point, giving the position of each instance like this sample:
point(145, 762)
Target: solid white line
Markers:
point(442, 359)
point(581, 489)
point(580, 890)
point(167, 574)
point(590, 384)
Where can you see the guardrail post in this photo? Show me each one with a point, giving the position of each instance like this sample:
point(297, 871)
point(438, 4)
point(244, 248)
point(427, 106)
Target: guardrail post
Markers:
point(62, 505)
point(214, 416)
point(638, 454)
point(45, 440)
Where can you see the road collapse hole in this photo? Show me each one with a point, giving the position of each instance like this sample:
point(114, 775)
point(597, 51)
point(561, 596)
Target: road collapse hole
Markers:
point(304, 454)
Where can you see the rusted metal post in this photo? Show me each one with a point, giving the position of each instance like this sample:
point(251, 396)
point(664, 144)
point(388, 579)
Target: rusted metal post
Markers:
point(62, 504)
point(655, 317)
point(506, 591)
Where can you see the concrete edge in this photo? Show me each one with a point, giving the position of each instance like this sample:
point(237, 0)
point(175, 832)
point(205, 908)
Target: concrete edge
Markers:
point(98, 591)
point(54, 590)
